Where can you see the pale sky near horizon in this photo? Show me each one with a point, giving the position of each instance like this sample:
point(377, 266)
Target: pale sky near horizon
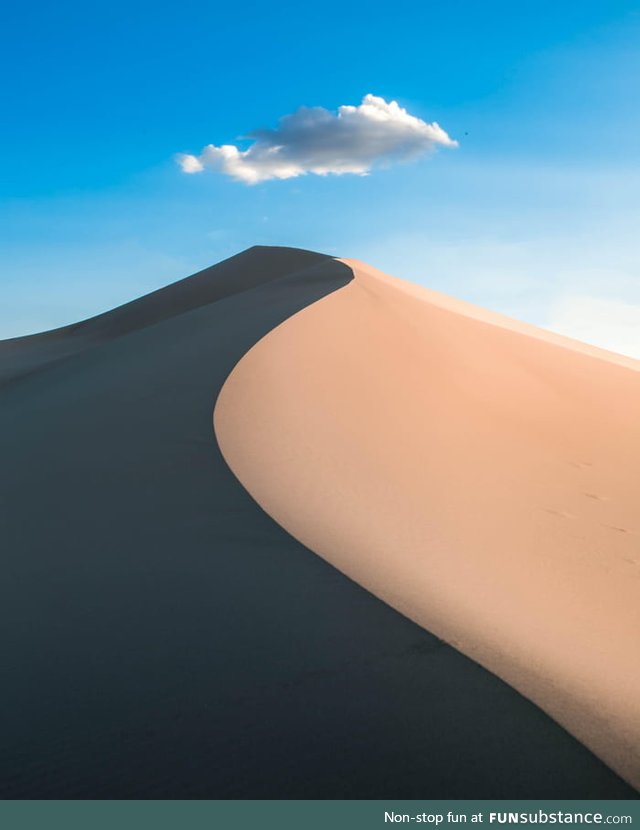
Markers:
point(535, 213)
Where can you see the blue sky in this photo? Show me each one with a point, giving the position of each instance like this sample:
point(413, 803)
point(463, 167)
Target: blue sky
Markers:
point(535, 214)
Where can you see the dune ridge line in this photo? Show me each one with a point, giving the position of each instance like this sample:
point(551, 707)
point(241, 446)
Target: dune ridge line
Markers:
point(476, 473)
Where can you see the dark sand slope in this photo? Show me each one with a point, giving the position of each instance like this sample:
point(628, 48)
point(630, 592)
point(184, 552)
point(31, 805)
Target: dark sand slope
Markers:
point(163, 637)
point(21, 355)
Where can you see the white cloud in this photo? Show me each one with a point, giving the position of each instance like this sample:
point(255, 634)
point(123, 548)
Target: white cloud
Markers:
point(314, 140)
point(610, 324)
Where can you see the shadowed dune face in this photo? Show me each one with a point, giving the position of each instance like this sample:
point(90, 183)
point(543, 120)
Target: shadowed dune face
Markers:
point(477, 474)
point(258, 265)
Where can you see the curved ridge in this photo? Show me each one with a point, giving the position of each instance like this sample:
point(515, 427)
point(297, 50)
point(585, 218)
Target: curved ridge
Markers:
point(473, 472)
point(256, 266)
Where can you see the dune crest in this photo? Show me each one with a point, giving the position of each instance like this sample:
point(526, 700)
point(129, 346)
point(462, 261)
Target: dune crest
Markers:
point(477, 474)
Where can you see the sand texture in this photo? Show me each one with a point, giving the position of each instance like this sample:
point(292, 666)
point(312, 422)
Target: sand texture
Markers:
point(477, 474)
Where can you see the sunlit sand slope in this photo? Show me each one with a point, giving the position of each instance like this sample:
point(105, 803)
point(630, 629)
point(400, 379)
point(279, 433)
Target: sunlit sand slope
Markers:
point(479, 475)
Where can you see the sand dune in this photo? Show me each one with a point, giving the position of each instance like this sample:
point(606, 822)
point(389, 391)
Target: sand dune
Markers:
point(162, 637)
point(478, 474)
